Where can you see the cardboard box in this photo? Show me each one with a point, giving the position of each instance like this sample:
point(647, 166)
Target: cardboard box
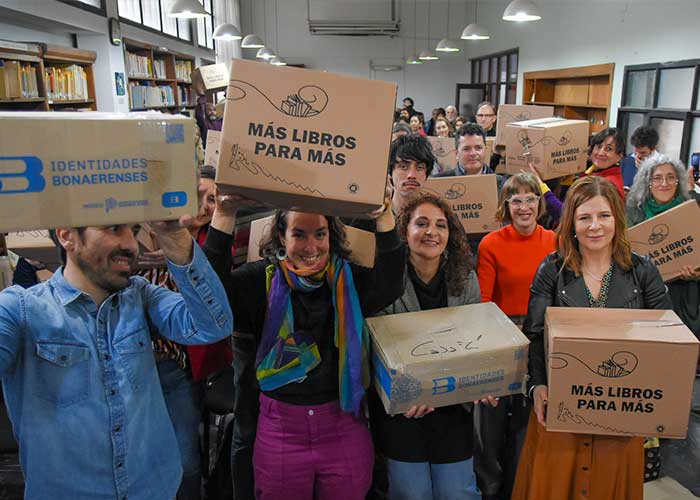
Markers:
point(671, 240)
point(490, 144)
point(624, 372)
point(445, 152)
point(509, 113)
point(442, 357)
point(557, 147)
point(306, 140)
point(362, 244)
point(211, 151)
point(91, 169)
point(35, 245)
point(473, 198)
point(213, 76)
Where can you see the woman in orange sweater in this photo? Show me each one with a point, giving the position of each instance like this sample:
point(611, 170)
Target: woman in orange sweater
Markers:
point(507, 263)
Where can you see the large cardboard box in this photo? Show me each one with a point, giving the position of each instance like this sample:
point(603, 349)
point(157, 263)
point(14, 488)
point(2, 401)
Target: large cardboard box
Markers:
point(557, 147)
point(624, 372)
point(362, 244)
point(441, 357)
point(211, 152)
point(445, 152)
point(509, 113)
point(473, 198)
point(213, 76)
point(306, 140)
point(91, 169)
point(35, 245)
point(671, 239)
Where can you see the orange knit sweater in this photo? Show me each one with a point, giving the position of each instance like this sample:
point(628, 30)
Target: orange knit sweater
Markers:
point(507, 265)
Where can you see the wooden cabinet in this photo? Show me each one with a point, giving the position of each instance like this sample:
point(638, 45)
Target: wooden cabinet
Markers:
point(157, 79)
point(69, 78)
point(581, 93)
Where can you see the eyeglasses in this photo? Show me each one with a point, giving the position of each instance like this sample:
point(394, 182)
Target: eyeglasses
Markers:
point(530, 201)
point(669, 180)
point(482, 115)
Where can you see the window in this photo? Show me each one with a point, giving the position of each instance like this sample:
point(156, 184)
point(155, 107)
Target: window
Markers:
point(666, 97)
point(500, 74)
point(205, 26)
point(96, 6)
point(153, 16)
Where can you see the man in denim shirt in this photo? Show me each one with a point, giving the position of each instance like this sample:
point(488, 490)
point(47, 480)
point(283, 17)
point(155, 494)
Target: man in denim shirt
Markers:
point(78, 372)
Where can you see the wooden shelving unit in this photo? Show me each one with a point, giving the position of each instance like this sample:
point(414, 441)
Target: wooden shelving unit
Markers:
point(581, 93)
point(148, 66)
point(49, 63)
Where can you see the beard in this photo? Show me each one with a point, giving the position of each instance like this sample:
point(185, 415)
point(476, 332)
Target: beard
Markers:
point(101, 275)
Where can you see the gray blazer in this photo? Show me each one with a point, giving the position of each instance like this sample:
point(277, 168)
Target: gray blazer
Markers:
point(408, 302)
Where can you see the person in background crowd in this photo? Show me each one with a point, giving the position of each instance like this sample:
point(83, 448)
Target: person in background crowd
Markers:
point(644, 141)
point(451, 114)
point(411, 162)
point(400, 129)
point(486, 117)
point(470, 142)
point(430, 124)
point(301, 352)
point(182, 393)
point(88, 403)
point(404, 115)
point(416, 124)
point(409, 106)
point(205, 112)
point(506, 280)
point(443, 128)
point(429, 451)
point(592, 267)
point(605, 150)
point(459, 122)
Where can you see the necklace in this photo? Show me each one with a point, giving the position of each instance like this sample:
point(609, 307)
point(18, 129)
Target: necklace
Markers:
point(597, 278)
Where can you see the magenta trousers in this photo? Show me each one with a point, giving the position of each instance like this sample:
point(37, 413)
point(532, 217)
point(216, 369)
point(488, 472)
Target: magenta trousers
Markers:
point(315, 452)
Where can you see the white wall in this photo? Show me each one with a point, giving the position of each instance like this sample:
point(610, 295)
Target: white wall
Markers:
point(20, 34)
point(583, 32)
point(431, 84)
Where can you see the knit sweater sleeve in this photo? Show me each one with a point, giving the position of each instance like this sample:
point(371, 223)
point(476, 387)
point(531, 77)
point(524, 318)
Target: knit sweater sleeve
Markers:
point(486, 268)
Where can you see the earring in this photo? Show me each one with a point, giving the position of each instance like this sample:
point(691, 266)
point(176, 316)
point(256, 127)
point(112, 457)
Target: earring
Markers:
point(281, 253)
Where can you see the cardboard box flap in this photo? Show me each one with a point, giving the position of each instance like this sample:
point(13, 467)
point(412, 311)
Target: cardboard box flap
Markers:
point(552, 121)
point(649, 325)
point(446, 335)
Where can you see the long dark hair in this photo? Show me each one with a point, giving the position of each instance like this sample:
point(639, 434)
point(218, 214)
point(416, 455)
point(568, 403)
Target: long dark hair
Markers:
point(272, 241)
point(459, 256)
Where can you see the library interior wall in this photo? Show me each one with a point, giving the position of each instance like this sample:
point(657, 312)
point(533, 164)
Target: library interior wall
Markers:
point(571, 33)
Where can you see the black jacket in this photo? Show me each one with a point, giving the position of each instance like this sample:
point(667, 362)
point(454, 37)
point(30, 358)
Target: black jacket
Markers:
point(641, 287)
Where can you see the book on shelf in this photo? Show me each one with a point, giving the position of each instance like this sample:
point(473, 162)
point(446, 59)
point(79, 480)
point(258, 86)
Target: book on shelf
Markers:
point(185, 95)
point(159, 68)
point(183, 70)
point(69, 83)
point(17, 80)
point(139, 66)
point(146, 96)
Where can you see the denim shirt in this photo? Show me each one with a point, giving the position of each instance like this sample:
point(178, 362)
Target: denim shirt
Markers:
point(81, 385)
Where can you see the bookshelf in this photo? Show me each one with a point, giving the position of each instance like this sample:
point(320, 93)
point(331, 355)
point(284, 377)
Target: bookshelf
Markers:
point(581, 93)
point(41, 77)
point(157, 79)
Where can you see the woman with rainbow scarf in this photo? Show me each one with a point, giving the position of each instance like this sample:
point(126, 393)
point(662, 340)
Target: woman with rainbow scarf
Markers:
point(301, 350)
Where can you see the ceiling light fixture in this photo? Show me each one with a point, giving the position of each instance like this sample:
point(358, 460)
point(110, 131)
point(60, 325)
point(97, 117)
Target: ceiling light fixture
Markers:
point(187, 9)
point(447, 45)
point(413, 58)
point(427, 54)
point(522, 10)
point(474, 31)
point(226, 32)
point(252, 41)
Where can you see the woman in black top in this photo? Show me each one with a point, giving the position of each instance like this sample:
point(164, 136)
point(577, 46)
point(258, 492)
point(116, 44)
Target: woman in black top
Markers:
point(429, 451)
point(296, 350)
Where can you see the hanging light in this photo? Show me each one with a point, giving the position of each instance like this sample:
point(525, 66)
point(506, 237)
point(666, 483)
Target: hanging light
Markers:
point(521, 10)
point(447, 45)
point(265, 53)
point(227, 32)
point(474, 31)
point(252, 42)
point(278, 61)
point(186, 9)
point(427, 54)
point(413, 58)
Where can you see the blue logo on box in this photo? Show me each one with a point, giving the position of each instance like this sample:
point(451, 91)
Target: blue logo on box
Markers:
point(173, 199)
point(515, 386)
point(31, 175)
point(174, 133)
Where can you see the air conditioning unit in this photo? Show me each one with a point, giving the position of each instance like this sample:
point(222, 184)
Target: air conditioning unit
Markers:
point(354, 28)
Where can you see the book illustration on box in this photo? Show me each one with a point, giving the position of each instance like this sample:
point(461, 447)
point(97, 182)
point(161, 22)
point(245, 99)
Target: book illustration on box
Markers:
point(620, 364)
point(240, 160)
point(308, 101)
point(455, 191)
point(524, 139)
point(657, 235)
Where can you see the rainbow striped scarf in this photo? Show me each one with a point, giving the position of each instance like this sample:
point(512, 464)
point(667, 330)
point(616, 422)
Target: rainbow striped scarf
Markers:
point(285, 355)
